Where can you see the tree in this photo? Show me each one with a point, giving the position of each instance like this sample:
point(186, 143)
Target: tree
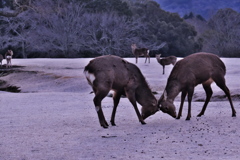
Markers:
point(223, 37)
point(72, 28)
point(18, 6)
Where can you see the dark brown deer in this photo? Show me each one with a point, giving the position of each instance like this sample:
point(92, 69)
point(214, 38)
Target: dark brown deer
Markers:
point(140, 52)
point(166, 60)
point(110, 72)
point(1, 58)
point(199, 68)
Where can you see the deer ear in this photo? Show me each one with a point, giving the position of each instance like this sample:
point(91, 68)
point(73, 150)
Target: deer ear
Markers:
point(163, 97)
point(165, 94)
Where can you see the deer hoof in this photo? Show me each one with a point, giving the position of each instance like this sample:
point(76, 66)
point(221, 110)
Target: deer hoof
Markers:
point(142, 122)
point(113, 124)
point(104, 124)
point(188, 118)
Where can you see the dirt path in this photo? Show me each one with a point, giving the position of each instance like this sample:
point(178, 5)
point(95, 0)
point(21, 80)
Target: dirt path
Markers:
point(53, 118)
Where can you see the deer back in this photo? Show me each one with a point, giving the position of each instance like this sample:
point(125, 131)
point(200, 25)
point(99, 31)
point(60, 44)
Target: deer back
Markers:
point(109, 70)
point(139, 51)
point(166, 60)
point(116, 71)
point(197, 68)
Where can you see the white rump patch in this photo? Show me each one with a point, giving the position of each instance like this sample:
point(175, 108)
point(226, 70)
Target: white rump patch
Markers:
point(90, 77)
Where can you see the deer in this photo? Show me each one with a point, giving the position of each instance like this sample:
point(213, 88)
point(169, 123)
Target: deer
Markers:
point(8, 56)
point(111, 72)
point(1, 58)
point(166, 61)
point(198, 68)
point(140, 52)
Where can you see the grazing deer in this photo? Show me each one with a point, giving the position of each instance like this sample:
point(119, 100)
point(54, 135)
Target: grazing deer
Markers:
point(199, 68)
point(166, 61)
point(110, 72)
point(1, 58)
point(140, 52)
point(8, 56)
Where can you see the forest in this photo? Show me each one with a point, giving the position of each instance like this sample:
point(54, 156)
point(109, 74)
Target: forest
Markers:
point(204, 8)
point(89, 28)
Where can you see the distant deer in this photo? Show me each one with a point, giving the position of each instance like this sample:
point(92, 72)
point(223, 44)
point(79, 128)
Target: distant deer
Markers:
point(8, 56)
point(1, 58)
point(166, 61)
point(199, 68)
point(110, 72)
point(140, 52)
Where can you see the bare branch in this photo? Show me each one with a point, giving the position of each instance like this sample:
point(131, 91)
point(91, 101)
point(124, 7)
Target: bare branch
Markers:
point(20, 7)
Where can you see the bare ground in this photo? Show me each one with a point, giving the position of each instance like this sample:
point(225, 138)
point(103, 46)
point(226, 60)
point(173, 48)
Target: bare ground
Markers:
point(52, 117)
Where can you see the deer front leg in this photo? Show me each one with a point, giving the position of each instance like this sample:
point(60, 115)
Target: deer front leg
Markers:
point(130, 93)
point(183, 96)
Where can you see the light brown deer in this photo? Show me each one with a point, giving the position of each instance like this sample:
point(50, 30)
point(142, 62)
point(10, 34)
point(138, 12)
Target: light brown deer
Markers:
point(110, 72)
point(140, 52)
point(8, 56)
point(166, 60)
point(199, 68)
point(1, 58)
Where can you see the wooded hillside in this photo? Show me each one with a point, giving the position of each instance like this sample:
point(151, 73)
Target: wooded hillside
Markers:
point(87, 28)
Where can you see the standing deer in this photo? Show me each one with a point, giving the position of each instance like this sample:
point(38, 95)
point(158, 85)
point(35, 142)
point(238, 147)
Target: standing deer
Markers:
point(110, 72)
point(166, 61)
point(140, 52)
point(199, 68)
point(1, 58)
point(8, 56)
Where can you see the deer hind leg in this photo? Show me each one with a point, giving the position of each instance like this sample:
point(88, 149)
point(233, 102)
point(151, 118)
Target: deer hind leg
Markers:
point(147, 57)
point(163, 69)
point(136, 59)
point(220, 81)
point(116, 99)
point(130, 93)
point(99, 95)
point(209, 92)
point(183, 96)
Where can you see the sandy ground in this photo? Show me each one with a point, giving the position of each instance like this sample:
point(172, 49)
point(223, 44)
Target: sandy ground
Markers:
point(53, 118)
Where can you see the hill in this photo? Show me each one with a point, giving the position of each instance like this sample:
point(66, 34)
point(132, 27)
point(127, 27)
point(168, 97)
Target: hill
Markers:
point(201, 7)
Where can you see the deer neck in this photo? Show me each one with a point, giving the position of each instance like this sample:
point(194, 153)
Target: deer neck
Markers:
point(173, 88)
point(142, 93)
